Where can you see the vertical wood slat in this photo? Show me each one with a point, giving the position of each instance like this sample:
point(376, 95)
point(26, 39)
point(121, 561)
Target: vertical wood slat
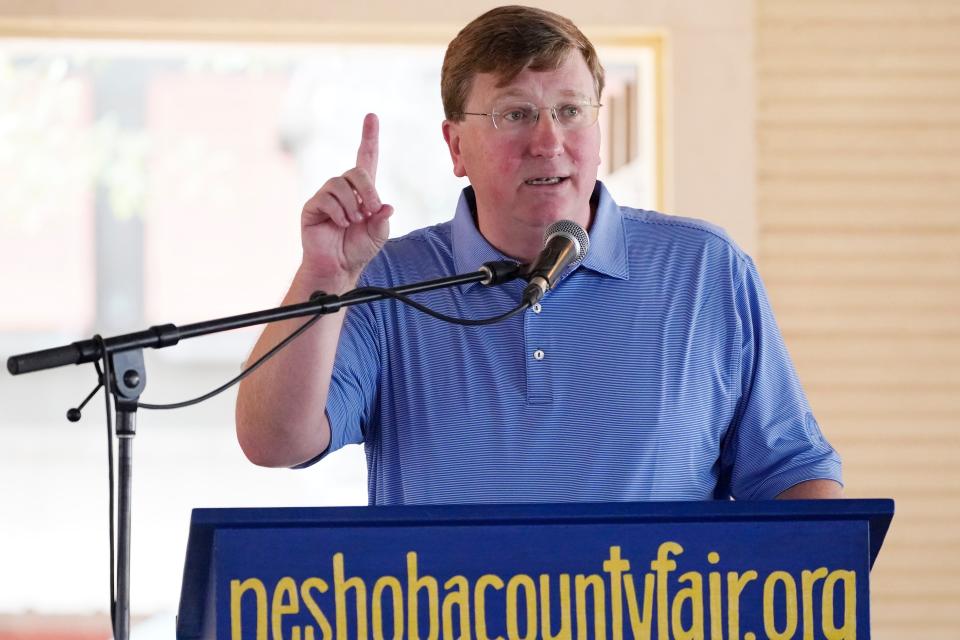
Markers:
point(858, 141)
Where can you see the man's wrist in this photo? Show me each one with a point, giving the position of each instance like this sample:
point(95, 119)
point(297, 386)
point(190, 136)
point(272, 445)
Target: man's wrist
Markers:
point(331, 282)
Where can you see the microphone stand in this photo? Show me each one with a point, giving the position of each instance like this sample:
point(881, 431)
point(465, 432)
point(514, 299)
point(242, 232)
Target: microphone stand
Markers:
point(125, 377)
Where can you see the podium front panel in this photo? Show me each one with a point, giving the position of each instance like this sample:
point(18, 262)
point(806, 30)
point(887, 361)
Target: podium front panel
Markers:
point(783, 578)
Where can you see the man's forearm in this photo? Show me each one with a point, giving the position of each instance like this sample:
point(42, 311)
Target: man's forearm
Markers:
point(281, 419)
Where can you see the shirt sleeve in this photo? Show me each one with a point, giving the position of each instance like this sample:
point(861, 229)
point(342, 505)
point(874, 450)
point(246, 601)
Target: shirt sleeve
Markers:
point(774, 441)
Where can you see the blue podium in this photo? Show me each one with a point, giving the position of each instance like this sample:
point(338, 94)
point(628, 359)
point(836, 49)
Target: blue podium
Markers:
point(711, 570)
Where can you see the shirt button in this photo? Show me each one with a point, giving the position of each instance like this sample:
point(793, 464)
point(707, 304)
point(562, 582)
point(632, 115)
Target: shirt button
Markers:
point(537, 308)
point(538, 354)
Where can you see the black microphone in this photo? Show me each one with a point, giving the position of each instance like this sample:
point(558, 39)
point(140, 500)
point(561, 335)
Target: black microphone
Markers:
point(565, 242)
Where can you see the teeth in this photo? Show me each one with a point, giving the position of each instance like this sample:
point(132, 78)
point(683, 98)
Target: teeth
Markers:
point(544, 181)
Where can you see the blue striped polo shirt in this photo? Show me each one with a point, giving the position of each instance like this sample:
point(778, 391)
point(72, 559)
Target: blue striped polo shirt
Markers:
point(654, 370)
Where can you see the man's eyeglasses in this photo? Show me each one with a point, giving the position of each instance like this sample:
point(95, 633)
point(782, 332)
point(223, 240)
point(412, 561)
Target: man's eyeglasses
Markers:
point(523, 115)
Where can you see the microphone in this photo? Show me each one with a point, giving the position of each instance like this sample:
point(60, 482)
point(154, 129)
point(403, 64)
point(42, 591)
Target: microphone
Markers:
point(565, 242)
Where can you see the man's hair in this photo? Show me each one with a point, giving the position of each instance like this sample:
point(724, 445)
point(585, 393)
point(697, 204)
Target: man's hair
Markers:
point(505, 41)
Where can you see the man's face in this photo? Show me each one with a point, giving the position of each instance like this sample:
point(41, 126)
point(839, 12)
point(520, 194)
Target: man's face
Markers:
point(512, 171)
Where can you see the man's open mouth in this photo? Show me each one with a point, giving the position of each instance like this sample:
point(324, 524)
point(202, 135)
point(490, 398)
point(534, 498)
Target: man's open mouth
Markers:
point(547, 181)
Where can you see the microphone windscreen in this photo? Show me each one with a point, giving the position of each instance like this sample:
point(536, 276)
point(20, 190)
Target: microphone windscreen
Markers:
point(570, 229)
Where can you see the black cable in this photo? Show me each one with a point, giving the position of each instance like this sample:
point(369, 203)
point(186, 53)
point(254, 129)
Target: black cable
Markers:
point(105, 376)
point(467, 322)
point(243, 374)
point(345, 297)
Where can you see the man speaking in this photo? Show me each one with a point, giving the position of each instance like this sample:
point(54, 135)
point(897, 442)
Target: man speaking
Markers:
point(652, 370)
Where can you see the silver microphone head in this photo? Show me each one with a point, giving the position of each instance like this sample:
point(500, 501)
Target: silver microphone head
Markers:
point(571, 230)
point(570, 247)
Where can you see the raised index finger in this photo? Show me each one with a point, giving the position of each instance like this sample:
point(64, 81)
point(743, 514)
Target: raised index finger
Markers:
point(369, 145)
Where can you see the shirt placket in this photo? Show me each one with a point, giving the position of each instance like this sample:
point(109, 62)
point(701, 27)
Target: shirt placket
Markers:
point(537, 356)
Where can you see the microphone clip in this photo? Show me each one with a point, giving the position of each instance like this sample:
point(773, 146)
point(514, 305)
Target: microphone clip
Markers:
point(501, 271)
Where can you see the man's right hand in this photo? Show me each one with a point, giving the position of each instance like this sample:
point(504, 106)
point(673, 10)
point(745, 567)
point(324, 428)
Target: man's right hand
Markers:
point(281, 418)
point(344, 225)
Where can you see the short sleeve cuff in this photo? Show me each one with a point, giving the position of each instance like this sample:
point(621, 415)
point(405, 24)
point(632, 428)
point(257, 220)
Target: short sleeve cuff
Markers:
point(773, 486)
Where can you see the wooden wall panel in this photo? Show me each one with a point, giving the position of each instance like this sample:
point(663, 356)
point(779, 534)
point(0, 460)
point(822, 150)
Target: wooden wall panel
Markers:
point(858, 206)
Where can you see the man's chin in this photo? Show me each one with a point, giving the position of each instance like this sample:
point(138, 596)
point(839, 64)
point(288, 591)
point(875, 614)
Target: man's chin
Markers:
point(545, 214)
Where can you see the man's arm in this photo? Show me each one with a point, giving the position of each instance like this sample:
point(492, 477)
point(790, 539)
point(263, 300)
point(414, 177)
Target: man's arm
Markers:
point(813, 490)
point(281, 409)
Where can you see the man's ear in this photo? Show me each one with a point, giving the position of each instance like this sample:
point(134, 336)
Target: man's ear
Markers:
point(451, 133)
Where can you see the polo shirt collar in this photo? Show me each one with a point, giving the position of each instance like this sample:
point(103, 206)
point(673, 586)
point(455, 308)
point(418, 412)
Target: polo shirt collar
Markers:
point(608, 248)
point(608, 240)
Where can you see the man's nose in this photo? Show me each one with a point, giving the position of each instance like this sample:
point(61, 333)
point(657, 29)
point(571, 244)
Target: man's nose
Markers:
point(546, 139)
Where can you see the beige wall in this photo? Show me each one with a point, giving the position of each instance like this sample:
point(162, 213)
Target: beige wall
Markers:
point(858, 135)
